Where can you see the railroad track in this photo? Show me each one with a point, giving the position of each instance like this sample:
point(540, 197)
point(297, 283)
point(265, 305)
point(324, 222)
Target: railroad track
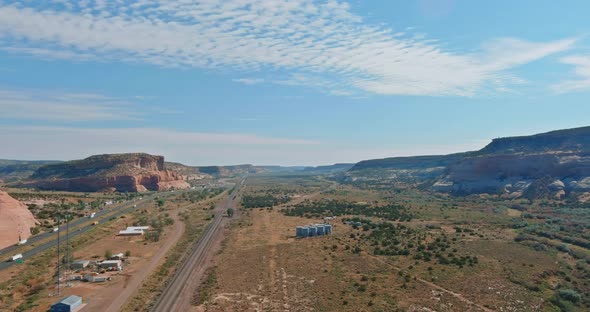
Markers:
point(177, 293)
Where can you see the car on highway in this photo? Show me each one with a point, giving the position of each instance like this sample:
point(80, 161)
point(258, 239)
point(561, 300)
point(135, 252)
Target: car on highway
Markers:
point(15, 257)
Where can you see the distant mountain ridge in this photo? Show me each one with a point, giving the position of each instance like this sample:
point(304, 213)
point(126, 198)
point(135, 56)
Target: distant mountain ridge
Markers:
point(555, 164)
point(12, 170)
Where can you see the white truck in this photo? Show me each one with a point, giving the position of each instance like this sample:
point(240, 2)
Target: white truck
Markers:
point(22, 242)
point(92, 215)
point(55, 229)
point(16, 257)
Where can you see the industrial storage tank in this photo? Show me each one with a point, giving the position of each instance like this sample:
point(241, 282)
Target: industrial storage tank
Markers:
point(320, 229)
point(299, 231)
point(328, 228)
point(304, 231)
point(313, 231)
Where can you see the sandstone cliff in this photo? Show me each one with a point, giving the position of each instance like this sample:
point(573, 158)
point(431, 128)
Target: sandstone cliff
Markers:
point(16, 221)
point(555, 164)
point(135, 172)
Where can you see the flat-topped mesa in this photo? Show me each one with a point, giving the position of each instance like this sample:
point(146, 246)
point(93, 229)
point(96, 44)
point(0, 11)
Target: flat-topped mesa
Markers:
point(134, 172)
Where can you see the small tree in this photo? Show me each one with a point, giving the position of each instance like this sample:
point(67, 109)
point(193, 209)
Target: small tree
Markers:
point(230, 212)
point(128, 253)
point(108, 254)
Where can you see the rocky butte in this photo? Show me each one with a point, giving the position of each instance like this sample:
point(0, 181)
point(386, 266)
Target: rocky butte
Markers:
point(16, 220)
point(134, 172)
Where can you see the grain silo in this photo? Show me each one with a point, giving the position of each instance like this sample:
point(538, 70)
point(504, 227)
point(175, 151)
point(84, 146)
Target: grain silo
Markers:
point(320, 229)
point(299, 231)
point(313, 231)
point(304, 231)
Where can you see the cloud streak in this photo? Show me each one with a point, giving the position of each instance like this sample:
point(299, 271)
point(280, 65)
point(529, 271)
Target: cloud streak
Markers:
point(67, 107)
point(322, 40)
point(582, 71)
point(196, 148)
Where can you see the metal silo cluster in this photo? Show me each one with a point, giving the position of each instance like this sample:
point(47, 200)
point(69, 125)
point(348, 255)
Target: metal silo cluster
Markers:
point(313, 230)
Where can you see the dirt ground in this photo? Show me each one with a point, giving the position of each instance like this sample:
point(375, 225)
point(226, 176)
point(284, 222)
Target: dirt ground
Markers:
point(264, 268)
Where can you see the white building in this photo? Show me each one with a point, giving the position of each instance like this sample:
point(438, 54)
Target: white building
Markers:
point(114, 265)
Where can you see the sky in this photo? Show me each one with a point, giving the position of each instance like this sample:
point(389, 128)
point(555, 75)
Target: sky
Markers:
point(286, 82)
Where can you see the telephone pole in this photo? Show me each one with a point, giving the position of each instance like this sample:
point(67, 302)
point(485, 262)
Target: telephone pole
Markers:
point(58, 260)
point(67, 246)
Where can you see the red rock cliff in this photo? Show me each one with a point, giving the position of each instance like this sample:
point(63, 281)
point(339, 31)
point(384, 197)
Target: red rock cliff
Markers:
point(110, 172)
point(16, 220)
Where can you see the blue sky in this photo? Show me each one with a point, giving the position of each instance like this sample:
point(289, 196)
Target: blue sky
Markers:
point(296, 82)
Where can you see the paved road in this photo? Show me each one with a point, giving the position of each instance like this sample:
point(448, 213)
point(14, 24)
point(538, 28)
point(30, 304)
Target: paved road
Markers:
point(178, 293)
point(101, 217)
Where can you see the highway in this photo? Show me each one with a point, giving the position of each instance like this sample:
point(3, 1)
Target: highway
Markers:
point(100, 217)
point(178, 293)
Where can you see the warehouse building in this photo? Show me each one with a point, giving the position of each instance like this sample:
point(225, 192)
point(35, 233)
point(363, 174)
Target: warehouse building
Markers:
point(313, 230)
point(112, 265)
point(134, 231)
point(79, 264)
point(68, 304)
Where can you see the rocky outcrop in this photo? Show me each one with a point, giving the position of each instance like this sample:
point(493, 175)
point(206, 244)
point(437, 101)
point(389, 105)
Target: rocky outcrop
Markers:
point(111, 172)
point(16, 221)
point(547, 165)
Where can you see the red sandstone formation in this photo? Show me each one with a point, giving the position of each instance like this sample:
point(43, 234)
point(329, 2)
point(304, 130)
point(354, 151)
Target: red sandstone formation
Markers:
point(110, 172)
point(16, 221)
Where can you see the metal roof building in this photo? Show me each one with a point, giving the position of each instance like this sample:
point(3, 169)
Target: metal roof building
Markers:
point(68, 304)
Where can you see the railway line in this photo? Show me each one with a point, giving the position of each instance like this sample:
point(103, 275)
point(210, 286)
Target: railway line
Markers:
point(178, 293)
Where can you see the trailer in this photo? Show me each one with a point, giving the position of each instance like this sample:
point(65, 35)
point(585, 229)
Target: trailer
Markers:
point(16, 257)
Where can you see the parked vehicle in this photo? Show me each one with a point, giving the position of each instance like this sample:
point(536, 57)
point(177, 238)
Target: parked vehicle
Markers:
point(92, 215)
point(22, 242)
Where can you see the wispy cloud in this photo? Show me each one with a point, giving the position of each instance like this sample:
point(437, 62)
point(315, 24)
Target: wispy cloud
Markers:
point(249, 81)
point(582, 71)
point(44, 142)
point(26, 104)
point(198, 148)
point(320, 39)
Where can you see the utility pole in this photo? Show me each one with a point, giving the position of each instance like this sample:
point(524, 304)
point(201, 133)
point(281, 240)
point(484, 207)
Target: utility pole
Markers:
point(67, 246)
point(58, 260)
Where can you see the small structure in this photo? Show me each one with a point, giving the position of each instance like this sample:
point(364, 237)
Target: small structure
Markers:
point(76, 277)
point(134, 231)
point(95, 278)
point(68, 304)
point(112, 265)
point(313, 230)
point(79, 264)
point(118, 256)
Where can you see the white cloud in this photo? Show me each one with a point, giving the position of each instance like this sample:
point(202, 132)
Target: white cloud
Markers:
point(322, 39)
point(195, 148)
point(48, 142)
point(582, 71)
point(249, 81)
point(56, 106)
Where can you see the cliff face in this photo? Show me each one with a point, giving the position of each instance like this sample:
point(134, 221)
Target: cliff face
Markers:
point(111, 172)
point(552, 165)
point(16, 220)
